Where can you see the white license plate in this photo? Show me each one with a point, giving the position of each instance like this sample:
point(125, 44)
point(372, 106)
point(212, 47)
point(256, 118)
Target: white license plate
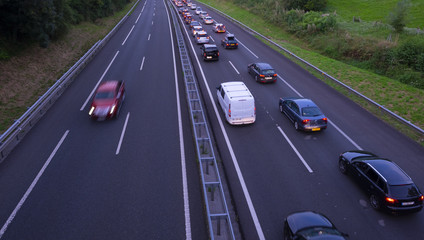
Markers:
point(407, 203)
point(208, 57)
point(267, 78)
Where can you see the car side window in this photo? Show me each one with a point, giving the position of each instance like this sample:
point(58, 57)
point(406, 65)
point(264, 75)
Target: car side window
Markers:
point(295, 107)
point(372, 175)
point(222, 93)
point(382, 184)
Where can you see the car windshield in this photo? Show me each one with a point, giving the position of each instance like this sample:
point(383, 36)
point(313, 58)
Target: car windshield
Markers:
point(104, 95)
point(311, 112)
point(401, 191)
point(318, 231)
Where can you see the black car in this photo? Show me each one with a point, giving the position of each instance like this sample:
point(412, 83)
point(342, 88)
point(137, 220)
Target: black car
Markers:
point(262, 72)
point(304, 113)
point(194, 23)
point(388, 186)
point(310, 225)
point(229, 41)
point(210, 52)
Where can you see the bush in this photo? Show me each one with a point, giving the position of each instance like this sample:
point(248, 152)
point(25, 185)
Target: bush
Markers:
point(398, 17)
point(412, 78)
point(411, 53)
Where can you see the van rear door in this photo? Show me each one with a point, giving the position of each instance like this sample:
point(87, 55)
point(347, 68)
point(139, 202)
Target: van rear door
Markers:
point(242, 108)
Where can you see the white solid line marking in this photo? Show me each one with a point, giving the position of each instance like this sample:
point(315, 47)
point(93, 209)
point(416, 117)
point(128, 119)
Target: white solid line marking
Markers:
point(247, 48)
point(345, 135)
point(252, 210)
point(122, 134)
point(142, 8)
point(234, 67)
point(142, 63)
point(295, 150)
point(31, 187)
point(148, 39)
point(139, 15)
point(101, 78)
point(128, 35)
point(180, 132)
point(292, 88)
point(212, 39)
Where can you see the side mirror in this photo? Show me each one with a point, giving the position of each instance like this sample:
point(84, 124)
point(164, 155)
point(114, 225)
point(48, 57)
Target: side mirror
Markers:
point(219, 87)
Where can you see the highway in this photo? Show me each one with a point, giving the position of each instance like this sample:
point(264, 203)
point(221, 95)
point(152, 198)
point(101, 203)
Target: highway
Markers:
point(74, 178)
point(286, 171)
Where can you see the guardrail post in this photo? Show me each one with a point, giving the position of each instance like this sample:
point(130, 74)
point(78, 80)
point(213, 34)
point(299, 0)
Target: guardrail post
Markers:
point(212, 193)
point(218, 227)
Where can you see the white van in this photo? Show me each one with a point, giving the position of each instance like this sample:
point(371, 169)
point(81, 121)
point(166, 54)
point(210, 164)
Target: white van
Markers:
point(237, 103)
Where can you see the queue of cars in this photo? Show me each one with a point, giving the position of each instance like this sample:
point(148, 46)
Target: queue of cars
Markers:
point(388, 186)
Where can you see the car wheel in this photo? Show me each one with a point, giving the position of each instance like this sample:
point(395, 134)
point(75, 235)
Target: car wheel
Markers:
point(375, 203)
point(296, 125)
point(342, 166)
point(281, 108)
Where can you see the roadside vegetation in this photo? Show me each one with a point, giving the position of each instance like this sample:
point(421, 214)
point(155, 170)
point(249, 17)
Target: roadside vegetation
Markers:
point(28, 67)
point(370, 56)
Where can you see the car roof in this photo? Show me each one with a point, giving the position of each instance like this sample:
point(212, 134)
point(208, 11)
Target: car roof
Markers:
point(108, 86)
point(197, 27)
point(304, 102)
point(390, 171)
point(264, 65)
point(302, 220)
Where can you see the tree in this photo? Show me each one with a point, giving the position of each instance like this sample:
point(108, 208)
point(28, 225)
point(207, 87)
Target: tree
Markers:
point(398, 16)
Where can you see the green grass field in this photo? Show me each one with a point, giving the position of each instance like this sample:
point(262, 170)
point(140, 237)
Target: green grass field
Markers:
point(402, 99)
point(376, 10)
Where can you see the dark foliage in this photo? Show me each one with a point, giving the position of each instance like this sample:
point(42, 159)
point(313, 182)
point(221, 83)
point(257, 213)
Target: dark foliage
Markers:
point(43, 20)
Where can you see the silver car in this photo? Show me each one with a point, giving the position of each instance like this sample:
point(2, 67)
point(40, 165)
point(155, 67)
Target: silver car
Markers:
point(201, 37)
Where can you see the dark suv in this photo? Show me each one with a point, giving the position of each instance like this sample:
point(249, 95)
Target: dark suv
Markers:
point(262, 72)
point(388, 186)
point(210, 52)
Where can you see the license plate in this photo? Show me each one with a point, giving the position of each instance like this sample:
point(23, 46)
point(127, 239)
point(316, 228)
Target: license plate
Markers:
point(407, 203)
point(316, 129)
point(232, 44)
point(268, 78)
point(208, 57)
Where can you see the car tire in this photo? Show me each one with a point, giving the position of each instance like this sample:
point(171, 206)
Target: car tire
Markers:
point(281, 108)
point(342, 166)
point(296, 125)
point(374, 202)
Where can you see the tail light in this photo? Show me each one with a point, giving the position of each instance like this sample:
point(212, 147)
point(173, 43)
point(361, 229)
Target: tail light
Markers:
point(421, 198)
point(236, 44)
point(391, 200)
point(228, 44)
point(325, 120)
point(198, 38)
point(218, 54)
point(261, 75)
point(204, 54)
point(229, 110)
point(305, 121)
point(275, 75)
point(254, 110)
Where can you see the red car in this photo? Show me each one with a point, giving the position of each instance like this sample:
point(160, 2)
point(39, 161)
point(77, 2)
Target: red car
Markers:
point(107, 100)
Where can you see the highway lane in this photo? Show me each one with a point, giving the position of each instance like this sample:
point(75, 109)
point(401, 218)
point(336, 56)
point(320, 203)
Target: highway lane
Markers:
point(277, 180)
point(89, 190)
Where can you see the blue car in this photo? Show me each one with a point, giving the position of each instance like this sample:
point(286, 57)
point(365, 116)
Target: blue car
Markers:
point(304, 113)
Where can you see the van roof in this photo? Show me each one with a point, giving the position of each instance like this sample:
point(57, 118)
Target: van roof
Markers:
point(236, 90)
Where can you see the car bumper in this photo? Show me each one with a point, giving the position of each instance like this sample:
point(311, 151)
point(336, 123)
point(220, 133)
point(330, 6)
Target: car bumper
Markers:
point(241, 121)
point(411, 209)
point(314, 128)
point(210, 58)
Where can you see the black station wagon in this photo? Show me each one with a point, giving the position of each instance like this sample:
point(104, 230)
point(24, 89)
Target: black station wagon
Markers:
point(388, 186)
point(262, 72)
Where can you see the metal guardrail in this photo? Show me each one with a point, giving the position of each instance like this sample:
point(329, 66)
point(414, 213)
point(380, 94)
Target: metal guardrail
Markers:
point(377, 105)
point(14, 134)
point(216, 206)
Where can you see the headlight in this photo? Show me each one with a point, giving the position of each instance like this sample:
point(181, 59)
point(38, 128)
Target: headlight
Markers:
point(112, 109)
point(91, 111)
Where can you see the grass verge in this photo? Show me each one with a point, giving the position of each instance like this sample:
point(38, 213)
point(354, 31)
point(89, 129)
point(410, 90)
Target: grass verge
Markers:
point(27, 76)
point(402, 99)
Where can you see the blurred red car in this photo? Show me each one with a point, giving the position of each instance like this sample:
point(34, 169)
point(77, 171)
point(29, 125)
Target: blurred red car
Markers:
point(107, 100)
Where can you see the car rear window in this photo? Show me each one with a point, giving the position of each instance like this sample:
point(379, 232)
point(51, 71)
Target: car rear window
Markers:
point(268, 71)
point(211, 49)
point(104, 95)
point(400, 191)
point(311, 112)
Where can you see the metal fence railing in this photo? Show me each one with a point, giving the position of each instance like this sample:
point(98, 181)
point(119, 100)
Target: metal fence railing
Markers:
point(219, 221)
point(382, 108)
point(14, 134)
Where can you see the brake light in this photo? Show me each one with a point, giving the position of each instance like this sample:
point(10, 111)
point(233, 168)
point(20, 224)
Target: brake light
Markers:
point(325, 120)
point(198, 38)
point(261, 75)
point(254, 110)
point(421, 198)
point(228, 44)
point(229, 110)
point(305, 121)
point(218, 54)
point(390, 200)
point(275, 75)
